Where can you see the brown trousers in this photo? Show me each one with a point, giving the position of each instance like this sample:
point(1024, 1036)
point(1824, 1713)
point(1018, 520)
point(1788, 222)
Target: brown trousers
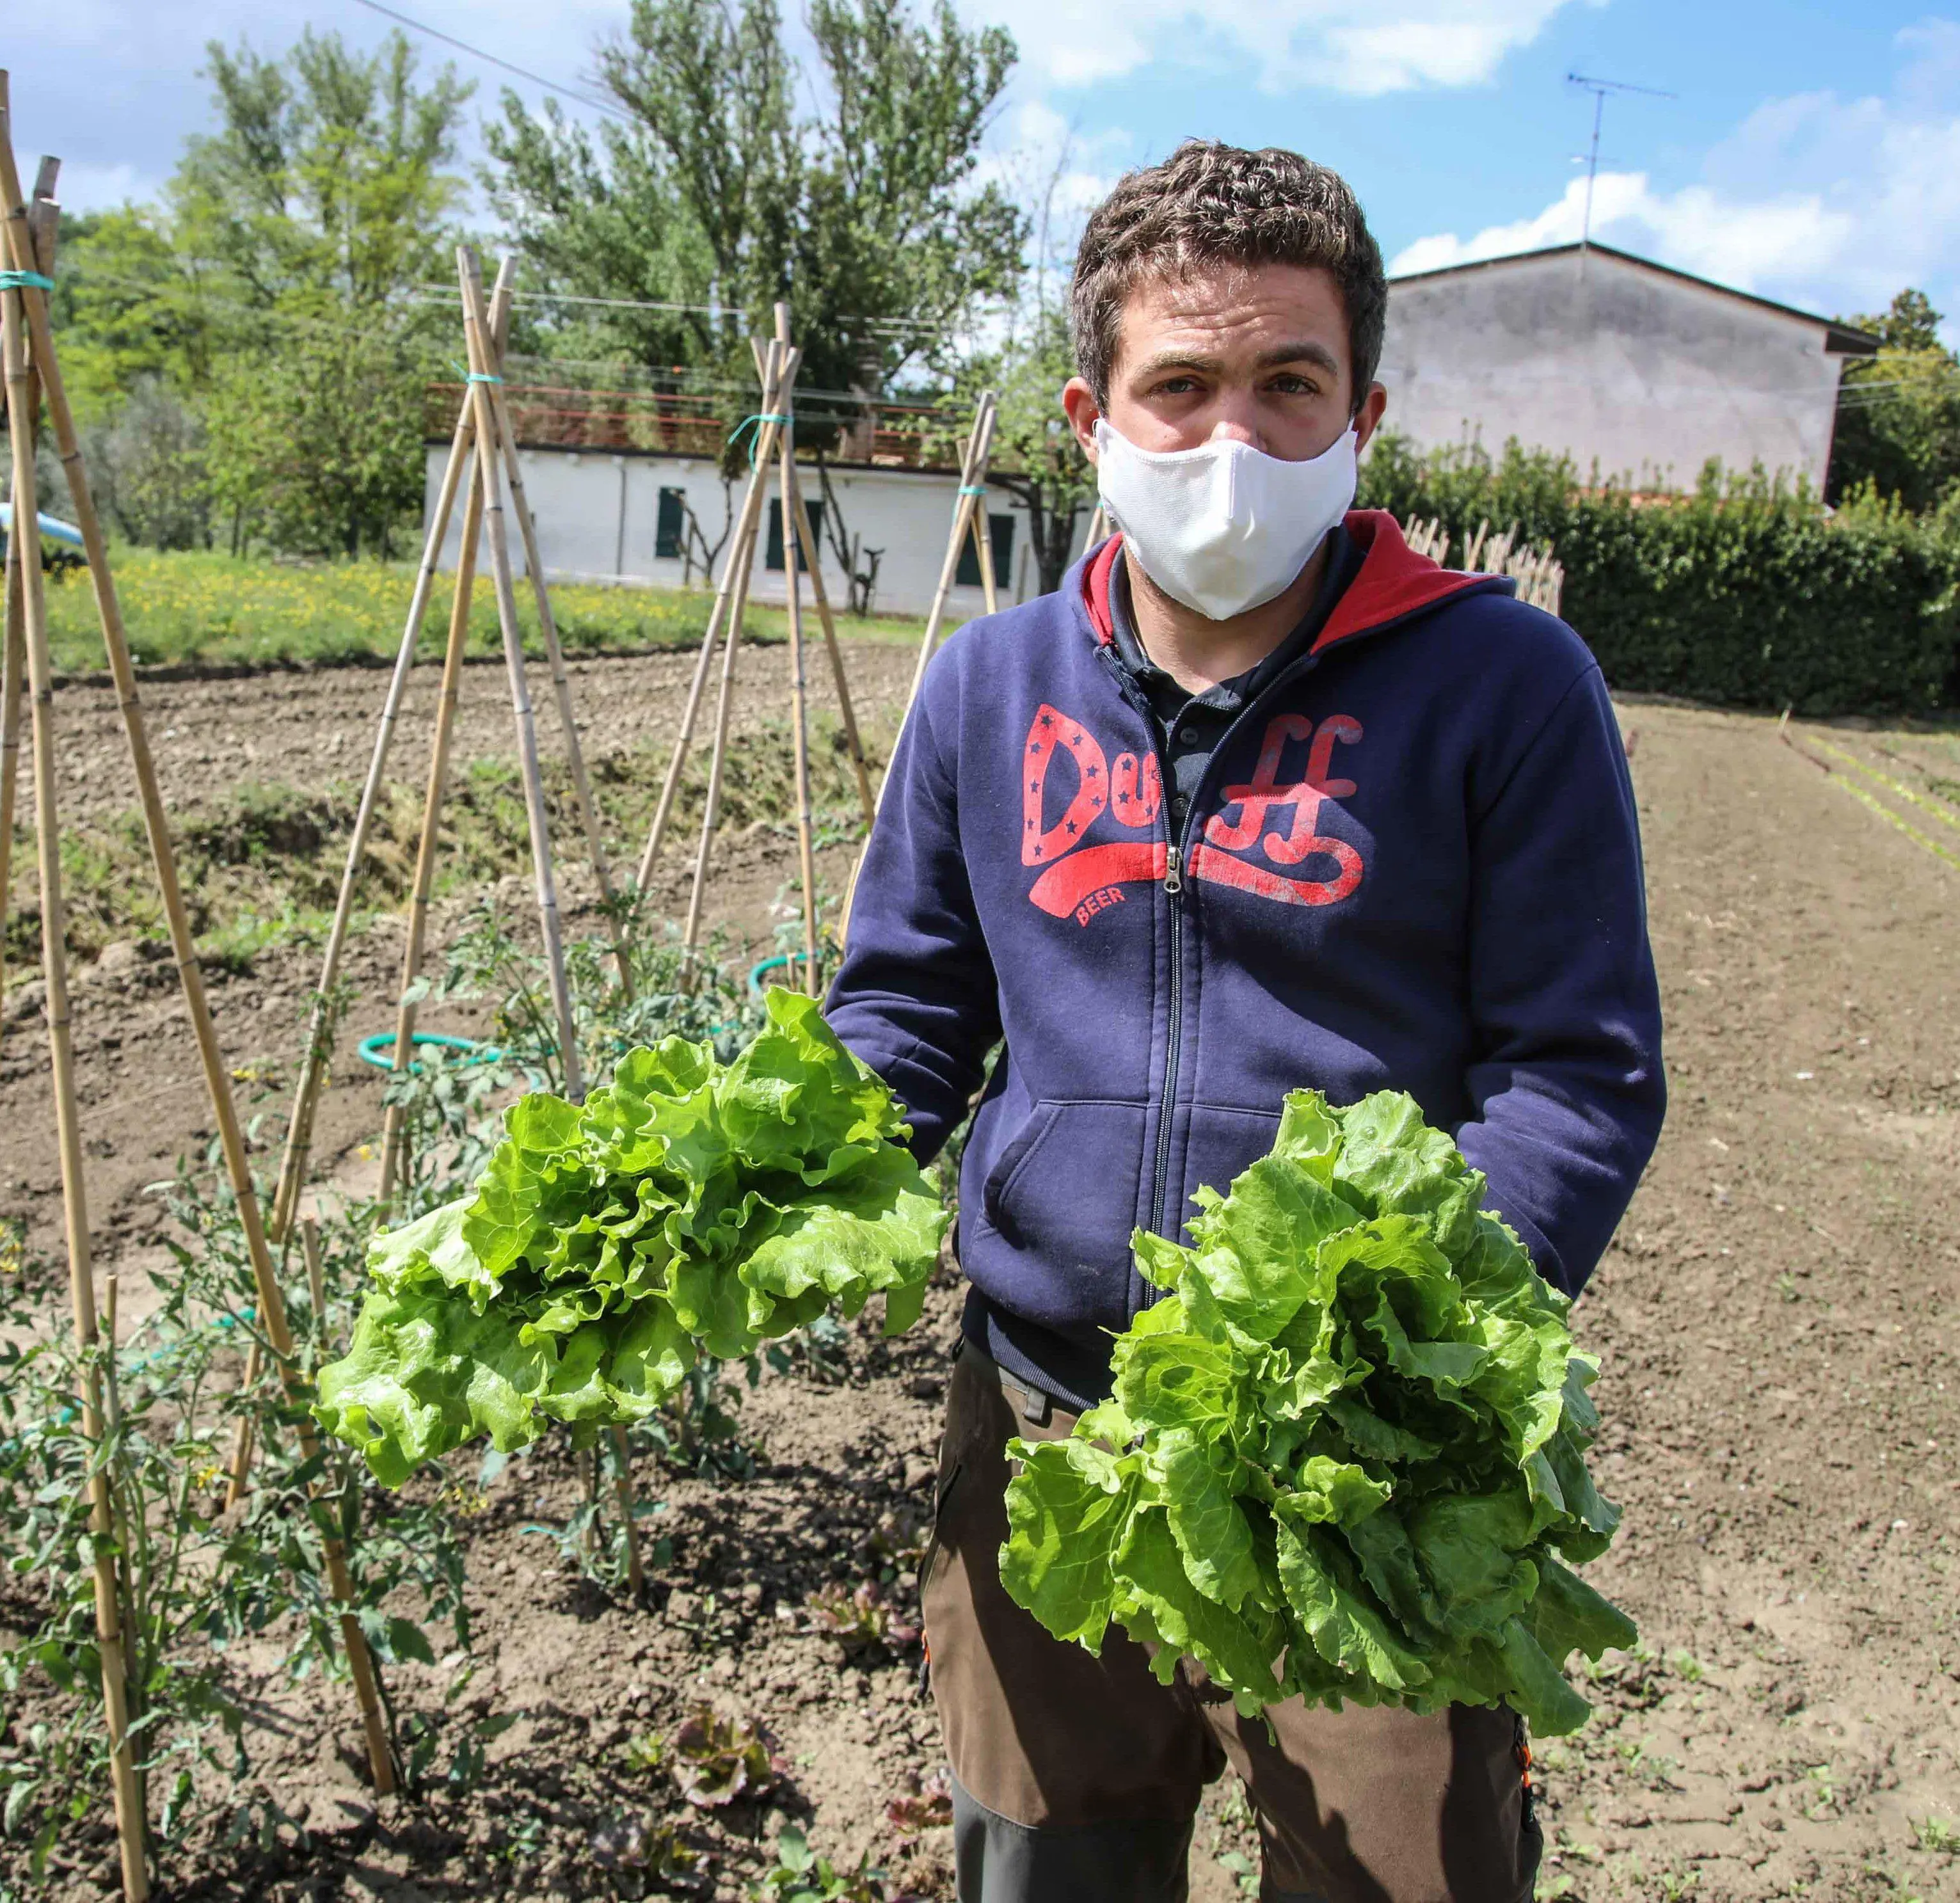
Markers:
point(1357, 1807)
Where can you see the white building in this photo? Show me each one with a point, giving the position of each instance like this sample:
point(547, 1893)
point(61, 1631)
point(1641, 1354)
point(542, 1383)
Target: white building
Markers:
point(1629, 367)
point(633, 513)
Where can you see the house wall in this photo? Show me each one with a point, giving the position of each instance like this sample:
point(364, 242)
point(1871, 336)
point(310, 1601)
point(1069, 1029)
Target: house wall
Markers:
point(596, 514)
point(1618, 366)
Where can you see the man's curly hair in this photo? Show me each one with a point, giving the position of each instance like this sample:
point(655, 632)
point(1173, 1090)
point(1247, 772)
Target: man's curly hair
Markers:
point(1211, 204)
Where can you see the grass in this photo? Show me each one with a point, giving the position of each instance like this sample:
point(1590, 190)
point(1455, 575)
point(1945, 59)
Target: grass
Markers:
point(199, 609)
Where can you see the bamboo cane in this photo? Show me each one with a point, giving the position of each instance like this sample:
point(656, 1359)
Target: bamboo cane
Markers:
point(793, 547)
point(13, 672)
point(313, 1065)
point(43, 219)
point(130, 1822)
point(119, 1519)
point(979, 445)
point(973, 468)
point(1099, 528)
point(489, 475)
point(983, 554)
point(394, 1128)
point(316, 1281)
point(588, 810)
point(821, 596)
point(272, 1306)
point(734, 583)
point(777, 387)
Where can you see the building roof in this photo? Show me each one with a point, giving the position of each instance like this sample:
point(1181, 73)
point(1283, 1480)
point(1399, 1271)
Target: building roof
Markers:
point(1839, 339)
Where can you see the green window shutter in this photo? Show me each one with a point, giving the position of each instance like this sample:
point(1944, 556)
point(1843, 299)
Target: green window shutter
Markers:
point(668, 525)
point(772, 555)
point(1001, 529)
point(1000, 532)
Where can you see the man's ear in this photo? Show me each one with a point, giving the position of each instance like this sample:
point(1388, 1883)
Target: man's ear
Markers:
point(1079, 402)
point(1368, 418)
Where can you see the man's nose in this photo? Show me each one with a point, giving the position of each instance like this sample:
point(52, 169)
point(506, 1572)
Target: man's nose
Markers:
point(1236, 419)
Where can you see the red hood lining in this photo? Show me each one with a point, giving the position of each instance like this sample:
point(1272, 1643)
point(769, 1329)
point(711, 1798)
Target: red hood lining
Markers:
point(1394, 582)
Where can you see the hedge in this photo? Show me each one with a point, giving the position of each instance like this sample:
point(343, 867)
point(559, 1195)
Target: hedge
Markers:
point(1744, 594)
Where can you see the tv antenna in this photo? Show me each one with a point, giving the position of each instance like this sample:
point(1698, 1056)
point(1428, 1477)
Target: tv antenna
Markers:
point(1599, 88)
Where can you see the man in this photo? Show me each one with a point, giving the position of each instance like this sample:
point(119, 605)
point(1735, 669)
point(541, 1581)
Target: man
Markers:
point(1260, 799)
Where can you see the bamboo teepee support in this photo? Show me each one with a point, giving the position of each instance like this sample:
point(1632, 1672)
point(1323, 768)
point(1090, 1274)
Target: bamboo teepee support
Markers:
point(394, 1127)
point(821, 596)
point(12, 680)
point(972, 475)
point(725, 618)
point(33, 304)
point(43, 219)
point(313, 1075)
point(131, 1828)
point(490, 475)
point(588, 809)
point(983, 552)
point(1099, 527)
point(792, 549)
point(313, 1065)
point(778, 380)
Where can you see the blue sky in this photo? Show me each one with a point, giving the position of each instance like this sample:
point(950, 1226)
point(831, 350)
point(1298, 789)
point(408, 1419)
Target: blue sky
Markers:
point(1812, 153)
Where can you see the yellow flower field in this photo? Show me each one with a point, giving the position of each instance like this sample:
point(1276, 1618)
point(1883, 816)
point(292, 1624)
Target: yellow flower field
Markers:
point(207, 610)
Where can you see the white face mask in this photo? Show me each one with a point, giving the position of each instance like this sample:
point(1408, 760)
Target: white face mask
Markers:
point(1223, 527)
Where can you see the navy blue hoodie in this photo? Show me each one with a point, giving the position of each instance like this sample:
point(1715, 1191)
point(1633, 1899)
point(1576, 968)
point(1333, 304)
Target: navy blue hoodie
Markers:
point(1413, 864)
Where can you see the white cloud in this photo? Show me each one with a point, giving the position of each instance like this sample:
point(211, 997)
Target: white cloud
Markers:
point(1744, 244)
point(1348, 45)
point(1829, 202)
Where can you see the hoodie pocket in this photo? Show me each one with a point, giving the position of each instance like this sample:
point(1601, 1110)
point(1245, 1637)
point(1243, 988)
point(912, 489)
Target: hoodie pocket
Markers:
point(1065, 1188)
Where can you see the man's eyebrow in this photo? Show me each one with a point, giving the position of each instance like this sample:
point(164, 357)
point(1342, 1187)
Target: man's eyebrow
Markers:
point(1306, 351)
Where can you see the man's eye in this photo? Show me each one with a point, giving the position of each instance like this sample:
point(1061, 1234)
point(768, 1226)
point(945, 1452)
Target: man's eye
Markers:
point(1177, 386)
point(1287, 384)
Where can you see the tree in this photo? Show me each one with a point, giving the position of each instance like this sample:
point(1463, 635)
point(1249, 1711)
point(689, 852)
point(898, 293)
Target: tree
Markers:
point(150, 469)
point(716, 195)
point(132, 310)
point(269, 314)
point(318, 445)
point(1897, 431)
point(328, 173)
point(1036, 459)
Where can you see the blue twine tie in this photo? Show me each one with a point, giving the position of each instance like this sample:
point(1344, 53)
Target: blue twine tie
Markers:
point(21, 280)
point(473, 376)
point(754, 423)
point(971, 488)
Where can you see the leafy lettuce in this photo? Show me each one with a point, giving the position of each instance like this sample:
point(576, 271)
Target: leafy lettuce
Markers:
point(1345, 1455)
point(689, 1208)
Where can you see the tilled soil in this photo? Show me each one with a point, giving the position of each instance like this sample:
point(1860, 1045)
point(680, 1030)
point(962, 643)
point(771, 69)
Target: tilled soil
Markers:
point(142, 1094)
point(1776, 1323)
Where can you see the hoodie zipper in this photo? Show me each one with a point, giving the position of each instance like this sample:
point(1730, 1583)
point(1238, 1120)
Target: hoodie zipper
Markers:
point(1173, 885)
point(1177, 865)
point(1177, 860)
